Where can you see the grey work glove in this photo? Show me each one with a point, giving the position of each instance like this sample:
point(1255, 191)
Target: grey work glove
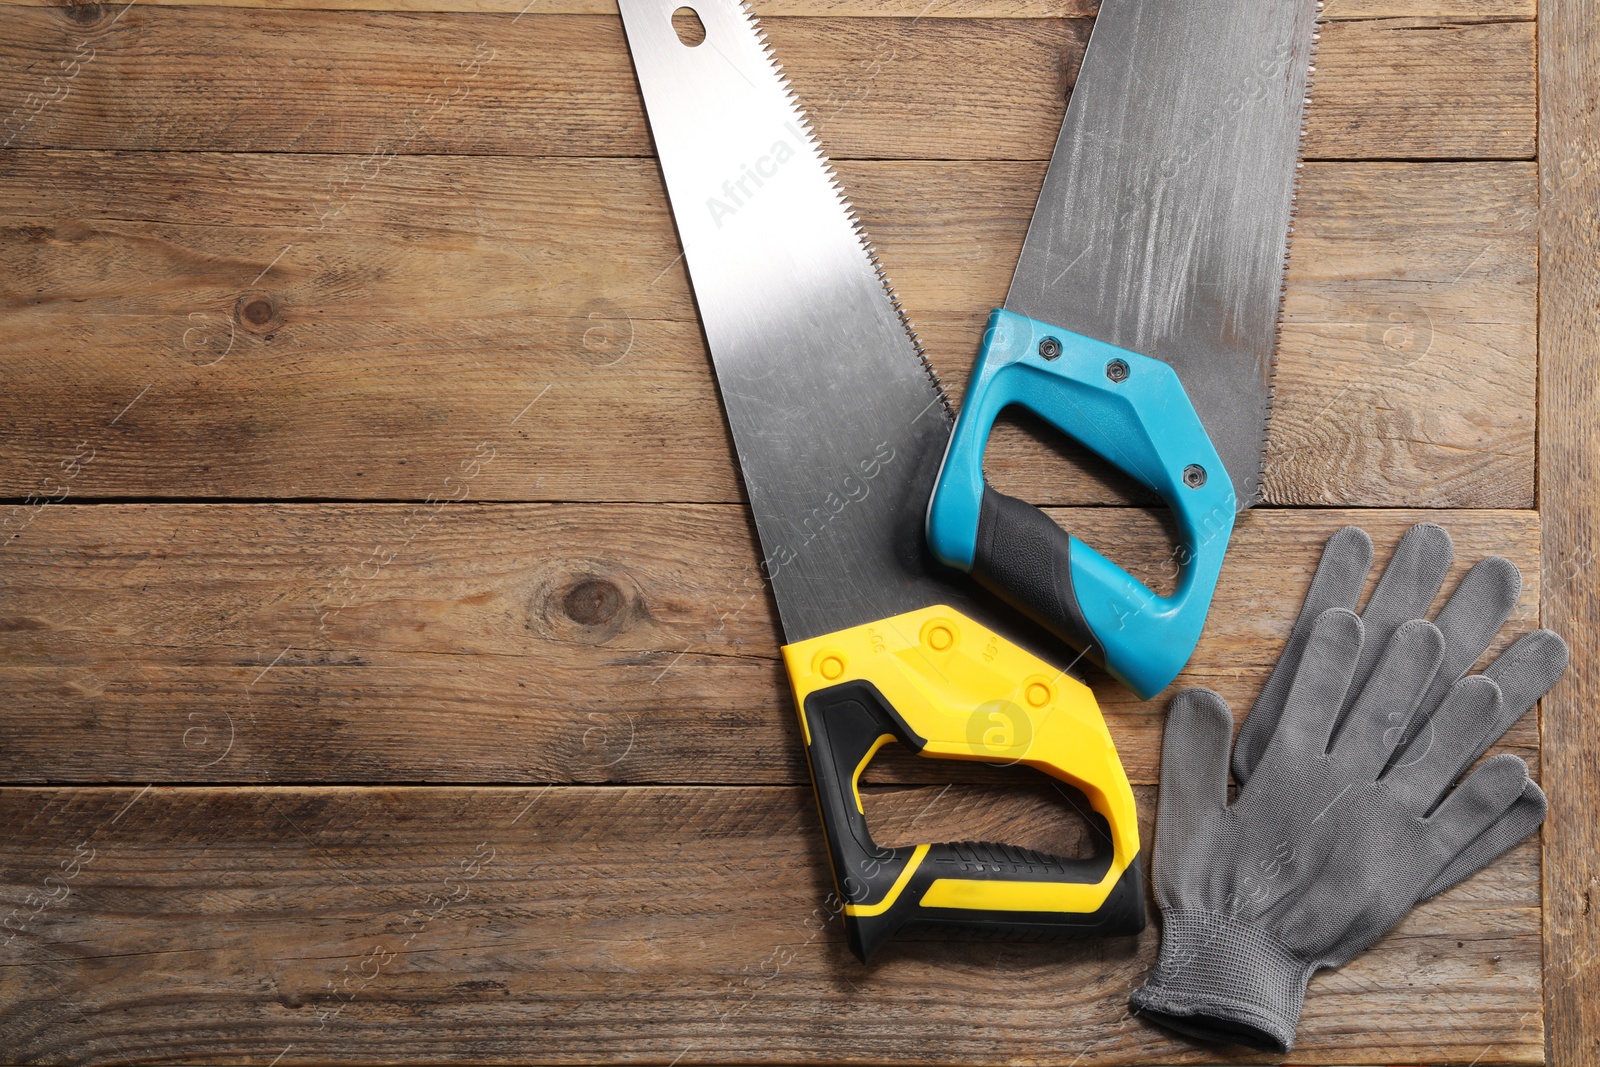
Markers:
point(1345, 815)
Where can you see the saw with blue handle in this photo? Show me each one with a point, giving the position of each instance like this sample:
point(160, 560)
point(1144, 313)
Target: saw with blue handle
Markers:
point(839, 425)
point(1142, 317)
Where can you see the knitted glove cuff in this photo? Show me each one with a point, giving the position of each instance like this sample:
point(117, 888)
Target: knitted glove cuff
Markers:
point(1219, 979)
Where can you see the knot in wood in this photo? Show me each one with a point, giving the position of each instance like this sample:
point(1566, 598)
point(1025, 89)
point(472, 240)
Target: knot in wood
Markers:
point(592, 602)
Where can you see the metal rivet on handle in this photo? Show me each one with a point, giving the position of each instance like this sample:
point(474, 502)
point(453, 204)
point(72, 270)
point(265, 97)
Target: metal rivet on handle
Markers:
point(1194, 476)
point(1050, 348)
point(1117, 371)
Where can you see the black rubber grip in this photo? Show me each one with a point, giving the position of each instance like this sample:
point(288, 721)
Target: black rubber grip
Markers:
point(1026, 559)
point(845, 721)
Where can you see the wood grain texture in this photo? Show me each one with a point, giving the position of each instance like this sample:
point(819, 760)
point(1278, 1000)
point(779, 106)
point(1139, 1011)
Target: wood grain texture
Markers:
point(639, 925)
point(1379, 71)
point(1569, 459)
point(1466, 10)
point(182, 78)
point(411, 310)
point(1386, 322)
point(509, 643)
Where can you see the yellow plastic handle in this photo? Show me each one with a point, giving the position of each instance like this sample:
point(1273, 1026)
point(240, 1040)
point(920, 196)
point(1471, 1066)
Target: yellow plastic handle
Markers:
point(955, 689)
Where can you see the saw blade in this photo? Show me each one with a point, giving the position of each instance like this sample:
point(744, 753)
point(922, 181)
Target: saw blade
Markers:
point(1164, 219)
point(837, 419)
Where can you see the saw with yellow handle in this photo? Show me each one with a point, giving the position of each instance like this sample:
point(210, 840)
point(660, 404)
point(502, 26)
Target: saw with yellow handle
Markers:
point(840, 427)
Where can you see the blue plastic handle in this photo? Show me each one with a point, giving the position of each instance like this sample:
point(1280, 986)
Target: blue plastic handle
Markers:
point(1131, 410)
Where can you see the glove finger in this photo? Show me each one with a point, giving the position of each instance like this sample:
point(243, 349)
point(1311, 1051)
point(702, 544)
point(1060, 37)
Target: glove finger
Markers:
point(1452, 737)
point(1517, 822)
point(1476, 610)
point(1319, 688)
point(1340, 577)
point(1524, 673)
point(1477, 803)
point(1386, 705)
point(1405, 590)
point(1194, 765)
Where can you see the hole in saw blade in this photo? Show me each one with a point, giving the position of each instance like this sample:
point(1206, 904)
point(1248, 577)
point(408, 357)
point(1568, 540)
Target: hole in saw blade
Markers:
point(1012, 805)
point(686, 21)
point(1030, 459)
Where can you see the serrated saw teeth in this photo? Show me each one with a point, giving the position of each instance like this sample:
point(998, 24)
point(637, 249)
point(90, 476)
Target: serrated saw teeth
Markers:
point(805, 122)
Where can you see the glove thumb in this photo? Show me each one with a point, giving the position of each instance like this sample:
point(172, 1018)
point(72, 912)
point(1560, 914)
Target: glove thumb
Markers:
point(1194, 764)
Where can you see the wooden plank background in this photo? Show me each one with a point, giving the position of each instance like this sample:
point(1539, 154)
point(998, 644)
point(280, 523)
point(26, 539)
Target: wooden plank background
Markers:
point(384, 670)
point(1569, 448)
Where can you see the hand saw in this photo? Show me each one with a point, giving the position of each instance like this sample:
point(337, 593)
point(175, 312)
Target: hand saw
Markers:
point(1142, 317)
point(839, 426)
